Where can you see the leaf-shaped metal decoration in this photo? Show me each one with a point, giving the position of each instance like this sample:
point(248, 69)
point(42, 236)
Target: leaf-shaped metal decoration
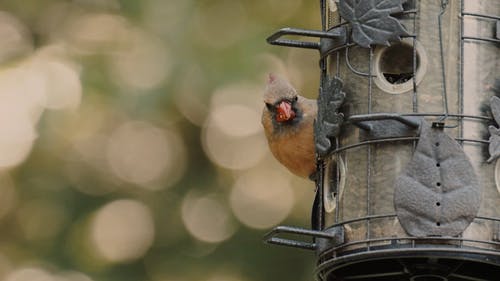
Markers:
point(328, 120)
point(372, 22)
point(437, 193)
point(494, 147)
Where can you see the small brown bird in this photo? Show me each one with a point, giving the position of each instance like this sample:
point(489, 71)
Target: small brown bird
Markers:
point(288, 121)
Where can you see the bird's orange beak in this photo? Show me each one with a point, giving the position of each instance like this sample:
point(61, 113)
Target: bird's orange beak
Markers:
point(284, 112)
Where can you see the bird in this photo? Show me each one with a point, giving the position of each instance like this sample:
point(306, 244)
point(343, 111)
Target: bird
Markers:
point(288, 121)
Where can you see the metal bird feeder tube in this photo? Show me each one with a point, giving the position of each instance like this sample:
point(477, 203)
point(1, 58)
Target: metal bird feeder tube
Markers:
point(408, 141)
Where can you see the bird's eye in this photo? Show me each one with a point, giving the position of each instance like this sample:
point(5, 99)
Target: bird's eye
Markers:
point(295, 98)
point(269, 106)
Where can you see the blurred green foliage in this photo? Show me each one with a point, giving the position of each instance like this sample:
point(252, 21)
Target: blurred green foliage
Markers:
point(126, 141)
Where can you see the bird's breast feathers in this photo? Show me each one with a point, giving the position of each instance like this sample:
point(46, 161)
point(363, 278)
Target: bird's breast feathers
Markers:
point(293, 146)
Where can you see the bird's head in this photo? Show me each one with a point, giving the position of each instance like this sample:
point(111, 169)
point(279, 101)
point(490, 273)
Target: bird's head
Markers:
point(280, 99)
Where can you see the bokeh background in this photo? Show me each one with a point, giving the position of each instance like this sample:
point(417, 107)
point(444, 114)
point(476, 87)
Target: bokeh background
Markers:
point(130, 140)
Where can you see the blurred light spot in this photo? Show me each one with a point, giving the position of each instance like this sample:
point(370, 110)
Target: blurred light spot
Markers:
point(176, 167)
point(232, 136)
point(220, 23)
point(15, 38)
point(9, 196)
point(87, 167)
point(86, 163)
point(263, 199)
point(22, 97)
point(62, 81)
point(42, 80)
point(29, 274)
point(141, 153)
point(91, 33)
point(41, 219)
point(270, 63)
point(123, 230)
point(237, 120)
point(207, 219)
point(241, 93)
point(231, 152)
point(188, 99)
point(17, 134)
point(23, 91)
point(91, 150)
point(142, 64)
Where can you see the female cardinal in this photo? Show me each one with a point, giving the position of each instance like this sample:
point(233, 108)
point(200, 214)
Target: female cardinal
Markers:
point(288, 121)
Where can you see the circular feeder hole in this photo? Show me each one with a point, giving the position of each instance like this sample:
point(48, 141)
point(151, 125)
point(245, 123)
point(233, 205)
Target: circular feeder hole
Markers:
point(394, 66)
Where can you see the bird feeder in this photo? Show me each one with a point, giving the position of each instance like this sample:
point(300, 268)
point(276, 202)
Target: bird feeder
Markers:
point(407, 141)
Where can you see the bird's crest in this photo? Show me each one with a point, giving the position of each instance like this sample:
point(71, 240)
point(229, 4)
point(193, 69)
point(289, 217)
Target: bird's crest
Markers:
point(278, 88)
point(271, 78)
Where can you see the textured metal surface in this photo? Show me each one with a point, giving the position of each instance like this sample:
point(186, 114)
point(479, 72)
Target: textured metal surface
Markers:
point(371, 21)
point(329, 119)
point(437, 193)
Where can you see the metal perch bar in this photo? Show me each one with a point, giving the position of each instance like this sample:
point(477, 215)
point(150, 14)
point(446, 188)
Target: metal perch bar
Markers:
point(271, 238)
point(291, 243)
point(298, 231)
point(275, 39)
